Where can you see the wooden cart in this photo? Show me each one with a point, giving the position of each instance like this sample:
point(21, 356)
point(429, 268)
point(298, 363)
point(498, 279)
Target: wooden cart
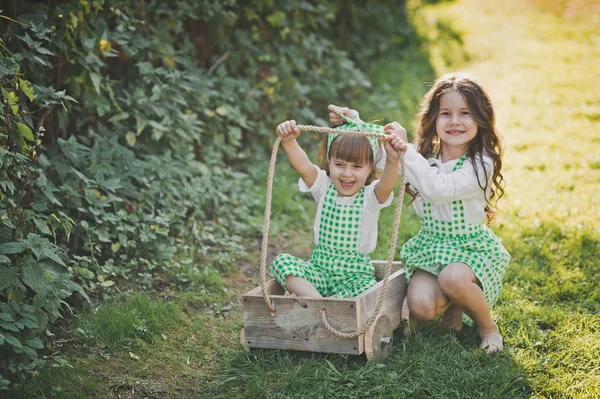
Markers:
point(363, 324)
point(298, 324)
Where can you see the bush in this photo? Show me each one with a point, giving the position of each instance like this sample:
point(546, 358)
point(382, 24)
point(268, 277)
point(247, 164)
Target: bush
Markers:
point(133, 133)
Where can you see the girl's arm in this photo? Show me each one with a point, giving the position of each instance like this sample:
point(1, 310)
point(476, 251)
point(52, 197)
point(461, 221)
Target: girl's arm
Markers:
point(298, 158)
point(393, 146)
point(441, 188)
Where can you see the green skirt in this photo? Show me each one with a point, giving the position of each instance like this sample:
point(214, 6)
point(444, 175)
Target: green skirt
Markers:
point(431, 250)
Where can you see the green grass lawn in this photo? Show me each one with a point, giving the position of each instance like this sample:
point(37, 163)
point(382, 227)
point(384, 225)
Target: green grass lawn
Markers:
point(539, 61)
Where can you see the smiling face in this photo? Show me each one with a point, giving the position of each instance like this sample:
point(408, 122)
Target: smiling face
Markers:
point(348, 177)
point(350, 164)
point(454, 124)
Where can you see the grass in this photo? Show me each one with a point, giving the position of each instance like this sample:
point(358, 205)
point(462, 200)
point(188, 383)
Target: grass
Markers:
point(538, 61)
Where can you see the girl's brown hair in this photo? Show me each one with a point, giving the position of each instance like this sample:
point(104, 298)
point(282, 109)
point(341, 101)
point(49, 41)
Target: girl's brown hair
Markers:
point(354, 149)
point(487, 140)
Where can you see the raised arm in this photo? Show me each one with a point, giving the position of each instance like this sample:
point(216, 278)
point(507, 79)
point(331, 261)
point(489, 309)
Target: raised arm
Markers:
point(298, 158)
point(393, 146)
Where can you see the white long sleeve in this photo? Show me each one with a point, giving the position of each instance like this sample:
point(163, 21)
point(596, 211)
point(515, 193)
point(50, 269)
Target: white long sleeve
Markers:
point(437, 183)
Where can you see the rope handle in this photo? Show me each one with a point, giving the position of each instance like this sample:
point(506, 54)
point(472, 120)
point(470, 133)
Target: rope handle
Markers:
point(394, 239)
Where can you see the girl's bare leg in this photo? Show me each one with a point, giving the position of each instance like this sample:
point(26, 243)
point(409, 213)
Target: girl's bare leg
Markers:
point(452, 318)
point(301, 287)
point(458, 282)
point(425, 298)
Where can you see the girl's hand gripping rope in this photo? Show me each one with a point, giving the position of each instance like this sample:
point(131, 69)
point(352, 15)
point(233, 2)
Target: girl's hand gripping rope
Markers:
point(287, 131)
point(395, 141)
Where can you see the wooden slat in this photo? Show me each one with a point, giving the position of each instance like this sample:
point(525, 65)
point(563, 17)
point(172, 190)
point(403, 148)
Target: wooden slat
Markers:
point(273, 288)
point(379, 266)
point(299, 327)
point(392, 305)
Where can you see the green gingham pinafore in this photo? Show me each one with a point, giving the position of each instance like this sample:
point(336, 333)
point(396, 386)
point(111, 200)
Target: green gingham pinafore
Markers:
point(335, 266)
point(440, 243)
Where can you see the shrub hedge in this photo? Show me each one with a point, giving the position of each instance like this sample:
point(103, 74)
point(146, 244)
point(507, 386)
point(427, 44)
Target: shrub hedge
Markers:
point(132, 133)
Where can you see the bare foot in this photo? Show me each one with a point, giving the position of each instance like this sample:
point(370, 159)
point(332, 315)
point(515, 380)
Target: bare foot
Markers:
point(452, 318)
point(491, 340)
point(413, 324)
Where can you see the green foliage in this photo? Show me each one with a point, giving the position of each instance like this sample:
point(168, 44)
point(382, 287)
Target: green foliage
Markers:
point(133, 135)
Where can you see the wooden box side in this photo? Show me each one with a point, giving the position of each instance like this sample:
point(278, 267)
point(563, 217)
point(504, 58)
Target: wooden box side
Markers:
point(392, 305)
point(380, 265)
point(297, 325)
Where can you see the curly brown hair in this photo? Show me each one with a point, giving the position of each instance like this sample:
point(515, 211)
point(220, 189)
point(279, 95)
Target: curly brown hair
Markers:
point(487, 141)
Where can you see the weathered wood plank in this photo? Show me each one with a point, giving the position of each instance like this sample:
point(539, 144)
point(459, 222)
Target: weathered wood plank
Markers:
point(298, 325)
point(392, 305)
point(379, 266)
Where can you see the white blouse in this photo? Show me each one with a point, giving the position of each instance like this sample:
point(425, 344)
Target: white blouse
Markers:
point(372, 207)
point(435, 182)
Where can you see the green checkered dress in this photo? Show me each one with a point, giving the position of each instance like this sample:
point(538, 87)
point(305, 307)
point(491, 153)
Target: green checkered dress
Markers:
point(440, 243)
point(335, 266)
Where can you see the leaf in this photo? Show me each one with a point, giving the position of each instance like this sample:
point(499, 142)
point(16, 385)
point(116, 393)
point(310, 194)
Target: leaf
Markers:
point(25, 131)
point(8, 277)
point(140, 123)
point(50, 254)
point(134, 356)
point(6, 317)
point(34, 277)
point(9, 326)
point(13, 102)
point(26, 89)
point(118, 117)
point(80, 175)
point(41, 225)
point(8, 66)
point(35, 343)
point(5, 260)
point(43, 50)
point(235, 134)
point(30, 351)
point(95, 78)
point(28, 323)
point(130, 137)
point(11, 339)
point(12, 248)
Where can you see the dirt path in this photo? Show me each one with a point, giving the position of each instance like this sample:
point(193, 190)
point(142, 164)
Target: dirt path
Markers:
point(541, 69)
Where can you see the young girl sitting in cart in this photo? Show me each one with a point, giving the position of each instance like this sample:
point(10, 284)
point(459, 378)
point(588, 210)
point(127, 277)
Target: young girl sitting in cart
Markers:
point(349, 201)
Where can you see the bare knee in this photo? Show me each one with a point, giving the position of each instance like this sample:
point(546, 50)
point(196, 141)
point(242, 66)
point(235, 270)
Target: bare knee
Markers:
point(422, 307)
point(455, 278)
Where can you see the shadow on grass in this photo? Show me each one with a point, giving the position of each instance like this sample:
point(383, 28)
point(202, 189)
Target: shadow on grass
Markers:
point(431, 363)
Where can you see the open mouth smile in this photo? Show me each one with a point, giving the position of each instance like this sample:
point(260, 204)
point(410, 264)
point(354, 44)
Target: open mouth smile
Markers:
point(346, 184)
point(455, 132)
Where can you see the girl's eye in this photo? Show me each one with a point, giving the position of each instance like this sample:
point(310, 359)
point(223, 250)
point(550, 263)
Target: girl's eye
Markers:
point(466, 113)
point(338, 164)
point(444, 113)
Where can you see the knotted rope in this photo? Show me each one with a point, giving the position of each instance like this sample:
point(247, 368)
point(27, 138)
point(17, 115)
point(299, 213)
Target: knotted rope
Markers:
point(394, 239)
